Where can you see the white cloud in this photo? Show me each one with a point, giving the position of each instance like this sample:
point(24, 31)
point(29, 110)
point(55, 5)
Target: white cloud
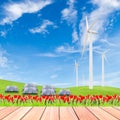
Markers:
point(3, 61)
point(60, 51)
point(75, 36)
point(51, 55)
point(70, 15)
point(111, 4)
point(3, 58)
point(112, 75)
point(53, 76)
point(67, 49)
point(3, 33)
point(100, 15)
point(43, 28)
point(63, 50)
point(15, 10)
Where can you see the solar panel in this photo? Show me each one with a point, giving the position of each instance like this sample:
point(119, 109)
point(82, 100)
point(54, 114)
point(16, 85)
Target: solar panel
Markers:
point(64, 92)
point(30, 90)
point(11, 89)
point(48, 92)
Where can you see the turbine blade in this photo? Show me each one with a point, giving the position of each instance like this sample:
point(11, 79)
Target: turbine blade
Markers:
point(97, 52)
point(91, 26)
point(87, 23)
point(108, 42)
point(106, 51)
point(106, 58)
point(84, 43)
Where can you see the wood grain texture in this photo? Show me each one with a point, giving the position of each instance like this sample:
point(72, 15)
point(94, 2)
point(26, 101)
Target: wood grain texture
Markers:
point(101, 114)
point(1, 108)
point(118, 108)
point(34, 114)
point(112, 111)
point(6, 111)
point(67, 113)
point(84, 114)
point(51, 113)
point(18, 114)
point(59, 113)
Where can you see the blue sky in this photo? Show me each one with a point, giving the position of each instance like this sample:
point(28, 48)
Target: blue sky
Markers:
point(39, 41)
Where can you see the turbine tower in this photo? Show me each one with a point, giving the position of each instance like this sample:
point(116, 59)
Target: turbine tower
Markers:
point(90, 42)
point(76, 72)
point(103, 56)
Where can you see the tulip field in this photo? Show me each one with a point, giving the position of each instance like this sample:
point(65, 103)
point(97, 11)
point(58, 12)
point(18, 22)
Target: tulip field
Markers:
point(80, 96)
point(56, 100)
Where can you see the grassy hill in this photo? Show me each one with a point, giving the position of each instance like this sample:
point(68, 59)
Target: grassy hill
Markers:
point(81, 90)
point(97, 90)
point(20, 85)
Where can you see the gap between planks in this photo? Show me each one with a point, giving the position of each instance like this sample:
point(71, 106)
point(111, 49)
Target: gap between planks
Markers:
point(101, 114)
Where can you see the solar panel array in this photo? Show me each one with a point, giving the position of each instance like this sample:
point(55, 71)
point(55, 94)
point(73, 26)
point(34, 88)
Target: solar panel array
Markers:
point(31, 88)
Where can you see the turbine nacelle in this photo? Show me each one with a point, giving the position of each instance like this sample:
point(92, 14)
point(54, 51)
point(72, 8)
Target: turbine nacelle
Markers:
point(91, 31)
point(76, 64)
point(103, 54)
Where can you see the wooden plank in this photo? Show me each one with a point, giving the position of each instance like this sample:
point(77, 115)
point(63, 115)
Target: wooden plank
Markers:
point(101, 114)
point(51, 113)
point(34, 114)
point(18, 114)
point(7, 111)
point(84, 114)
point(67, 113)
point(1, 108)
point(114, 112)
point(118, 108)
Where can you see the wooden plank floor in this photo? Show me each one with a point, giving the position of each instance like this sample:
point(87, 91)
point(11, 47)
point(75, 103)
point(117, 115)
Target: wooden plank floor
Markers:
point(59, 113)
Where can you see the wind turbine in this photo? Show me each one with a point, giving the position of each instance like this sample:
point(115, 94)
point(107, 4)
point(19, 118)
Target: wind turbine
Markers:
point(76, 72)
point(90, 42)
point(103, 56)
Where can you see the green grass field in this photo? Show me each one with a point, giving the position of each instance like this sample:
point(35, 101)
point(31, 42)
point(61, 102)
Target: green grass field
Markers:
point(97, 90)
point(81, 90)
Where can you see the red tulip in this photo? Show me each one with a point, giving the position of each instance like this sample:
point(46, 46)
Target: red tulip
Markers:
point(71, 96)
point(119, 98)
point(82, 97)
point(100, 96)
point(15, 96)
